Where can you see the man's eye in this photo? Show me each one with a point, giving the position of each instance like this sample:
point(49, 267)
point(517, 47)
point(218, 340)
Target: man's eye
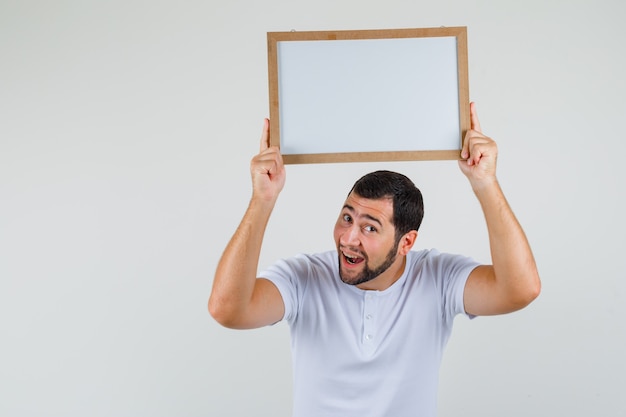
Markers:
point(347, 218)
point(369, 229)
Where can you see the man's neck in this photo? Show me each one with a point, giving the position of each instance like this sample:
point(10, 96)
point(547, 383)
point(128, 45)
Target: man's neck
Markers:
point(387, 278)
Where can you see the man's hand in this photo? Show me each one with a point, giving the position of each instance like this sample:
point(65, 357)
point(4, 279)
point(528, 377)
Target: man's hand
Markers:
point(479, 154)
point(267, 169)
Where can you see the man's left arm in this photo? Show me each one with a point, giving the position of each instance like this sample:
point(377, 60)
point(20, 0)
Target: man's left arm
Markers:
point(512, 281)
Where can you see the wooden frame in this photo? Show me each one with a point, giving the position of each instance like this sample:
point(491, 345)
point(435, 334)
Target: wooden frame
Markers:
point(312, 122)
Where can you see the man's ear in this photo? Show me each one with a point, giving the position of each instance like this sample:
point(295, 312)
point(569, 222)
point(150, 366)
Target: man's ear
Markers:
point(406, 242)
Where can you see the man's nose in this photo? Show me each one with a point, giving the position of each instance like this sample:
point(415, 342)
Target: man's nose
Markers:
point(351, 236)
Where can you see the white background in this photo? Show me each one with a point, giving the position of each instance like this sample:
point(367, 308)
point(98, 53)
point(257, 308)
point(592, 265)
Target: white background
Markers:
point(126, 130)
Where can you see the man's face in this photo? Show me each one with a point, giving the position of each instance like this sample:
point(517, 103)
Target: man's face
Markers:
point(366, 240)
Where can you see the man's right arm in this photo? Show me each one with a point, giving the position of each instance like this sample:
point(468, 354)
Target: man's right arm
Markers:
point(239, 299)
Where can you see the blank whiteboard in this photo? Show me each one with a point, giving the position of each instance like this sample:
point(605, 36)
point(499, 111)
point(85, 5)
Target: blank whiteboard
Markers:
point(373, 95)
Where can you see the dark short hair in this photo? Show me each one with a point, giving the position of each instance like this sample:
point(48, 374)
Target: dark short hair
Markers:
point(408, 205)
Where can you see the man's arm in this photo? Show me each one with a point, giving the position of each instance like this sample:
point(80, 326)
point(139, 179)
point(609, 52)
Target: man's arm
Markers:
point(238, 299)
point(512, 281)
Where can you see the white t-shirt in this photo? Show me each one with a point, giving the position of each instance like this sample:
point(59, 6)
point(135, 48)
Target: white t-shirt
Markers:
point(369, 353)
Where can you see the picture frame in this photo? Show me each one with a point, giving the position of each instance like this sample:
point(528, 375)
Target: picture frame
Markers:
point(368, 95)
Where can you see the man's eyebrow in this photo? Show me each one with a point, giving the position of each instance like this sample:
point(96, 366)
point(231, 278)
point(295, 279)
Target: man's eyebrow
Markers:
point(367, 216)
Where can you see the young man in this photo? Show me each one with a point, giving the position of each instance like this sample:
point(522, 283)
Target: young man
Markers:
point(369, 320)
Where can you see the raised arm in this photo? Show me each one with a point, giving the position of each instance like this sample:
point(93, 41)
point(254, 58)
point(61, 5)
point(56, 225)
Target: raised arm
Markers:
point(512, 282)
point(238, 299)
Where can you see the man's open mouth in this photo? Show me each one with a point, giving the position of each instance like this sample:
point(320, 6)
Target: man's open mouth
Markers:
point(352, 259)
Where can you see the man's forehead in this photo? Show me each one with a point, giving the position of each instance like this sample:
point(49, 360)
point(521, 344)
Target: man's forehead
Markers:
point(381, 209)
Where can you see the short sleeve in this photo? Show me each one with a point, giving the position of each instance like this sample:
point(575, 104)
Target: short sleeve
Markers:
point(452, 272)
point(288, 276)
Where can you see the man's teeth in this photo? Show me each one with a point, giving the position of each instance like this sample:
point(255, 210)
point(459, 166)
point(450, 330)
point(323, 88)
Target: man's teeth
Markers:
point(350, 259)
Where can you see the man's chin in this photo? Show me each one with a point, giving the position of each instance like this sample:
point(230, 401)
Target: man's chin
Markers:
point(353, 279)
point(349, 281)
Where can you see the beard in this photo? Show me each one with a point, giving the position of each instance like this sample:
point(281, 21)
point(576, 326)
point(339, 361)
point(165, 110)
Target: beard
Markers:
point(368, 274)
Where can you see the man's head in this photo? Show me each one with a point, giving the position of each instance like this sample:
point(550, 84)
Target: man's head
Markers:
point(377, 226)
point(408, 205)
